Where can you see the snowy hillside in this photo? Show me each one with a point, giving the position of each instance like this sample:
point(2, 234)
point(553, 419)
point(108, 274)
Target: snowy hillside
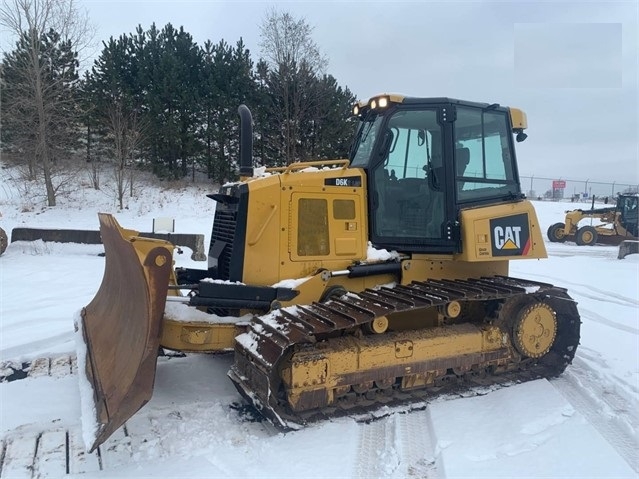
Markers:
point(582, 424)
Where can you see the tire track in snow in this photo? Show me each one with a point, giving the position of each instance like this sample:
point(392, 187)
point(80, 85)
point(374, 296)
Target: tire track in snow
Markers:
point(602, 294)
point(606, 296)
point(613, 416)
point(597, 318)
point(375, 441)
point(418, 446)
point(399, 445)
point(592, 356)
point(571, 249)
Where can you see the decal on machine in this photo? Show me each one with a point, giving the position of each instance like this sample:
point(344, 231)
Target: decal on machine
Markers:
point(510, 236)
point(351, 181)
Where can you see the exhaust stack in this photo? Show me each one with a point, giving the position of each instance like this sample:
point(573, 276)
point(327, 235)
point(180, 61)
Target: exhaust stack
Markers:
point(246, 141)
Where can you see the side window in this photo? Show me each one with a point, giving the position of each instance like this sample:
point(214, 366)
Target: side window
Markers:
point(367, 135)
point(483, 159)
point(629, 209)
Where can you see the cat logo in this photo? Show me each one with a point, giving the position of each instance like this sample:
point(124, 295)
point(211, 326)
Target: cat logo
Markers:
point(510, 235)
point(507, 237)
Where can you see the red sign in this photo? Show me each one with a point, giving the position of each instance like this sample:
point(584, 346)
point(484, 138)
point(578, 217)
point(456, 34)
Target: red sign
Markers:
point(558, 184)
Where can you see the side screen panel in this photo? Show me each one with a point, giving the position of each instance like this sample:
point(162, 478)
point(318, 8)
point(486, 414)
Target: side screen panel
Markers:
point(509, 231)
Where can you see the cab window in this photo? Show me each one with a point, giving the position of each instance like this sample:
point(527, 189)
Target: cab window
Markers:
point(483, 159)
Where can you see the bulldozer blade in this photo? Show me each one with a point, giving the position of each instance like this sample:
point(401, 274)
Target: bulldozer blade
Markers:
point(121, 326)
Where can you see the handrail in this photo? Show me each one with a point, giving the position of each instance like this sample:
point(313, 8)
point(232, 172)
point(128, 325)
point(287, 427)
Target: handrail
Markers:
point(299, 165)
point(260, 232)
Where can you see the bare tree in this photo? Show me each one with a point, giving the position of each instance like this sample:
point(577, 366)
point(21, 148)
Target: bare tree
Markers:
point(42, 70)
point(126, 131)
point(93, 160)
point(293, 58)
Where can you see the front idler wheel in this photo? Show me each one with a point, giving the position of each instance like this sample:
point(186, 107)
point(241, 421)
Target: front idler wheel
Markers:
point(535, 330)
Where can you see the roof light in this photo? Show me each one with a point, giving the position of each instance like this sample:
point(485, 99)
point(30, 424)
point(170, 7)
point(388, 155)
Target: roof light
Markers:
point(374, 104)
point(383, 102)
point(356, 110)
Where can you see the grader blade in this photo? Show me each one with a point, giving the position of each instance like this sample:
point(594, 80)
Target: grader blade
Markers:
point(121, 326)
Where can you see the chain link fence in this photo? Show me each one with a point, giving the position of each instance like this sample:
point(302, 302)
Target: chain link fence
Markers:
point(537, 187)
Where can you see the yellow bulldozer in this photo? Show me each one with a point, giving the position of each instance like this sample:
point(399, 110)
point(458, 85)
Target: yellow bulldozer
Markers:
point(343, 285)
point(616, 223)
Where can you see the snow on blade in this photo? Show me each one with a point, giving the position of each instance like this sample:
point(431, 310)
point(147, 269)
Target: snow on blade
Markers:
point(90, 426)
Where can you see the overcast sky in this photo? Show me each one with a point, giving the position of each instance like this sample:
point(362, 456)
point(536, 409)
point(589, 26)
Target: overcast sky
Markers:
point(571, 66)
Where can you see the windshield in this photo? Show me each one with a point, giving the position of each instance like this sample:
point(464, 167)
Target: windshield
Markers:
point(365, 140)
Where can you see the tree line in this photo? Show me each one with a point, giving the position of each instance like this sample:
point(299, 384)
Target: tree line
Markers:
point(156, 100)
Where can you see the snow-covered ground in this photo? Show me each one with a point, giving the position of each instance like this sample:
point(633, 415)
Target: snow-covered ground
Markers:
point(583, 424)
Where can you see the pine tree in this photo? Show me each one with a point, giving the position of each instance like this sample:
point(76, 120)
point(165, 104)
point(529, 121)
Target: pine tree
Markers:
point(115, 111)
point(186, 98)
point(228, 82)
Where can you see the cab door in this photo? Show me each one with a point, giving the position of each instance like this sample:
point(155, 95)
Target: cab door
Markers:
point(411, 202)
point(630, 214)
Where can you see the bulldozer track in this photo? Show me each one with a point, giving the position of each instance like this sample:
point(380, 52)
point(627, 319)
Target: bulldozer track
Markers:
point(378, 405)
point(274, 337)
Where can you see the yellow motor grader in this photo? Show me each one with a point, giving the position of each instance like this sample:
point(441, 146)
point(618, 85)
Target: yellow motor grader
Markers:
point(616, 223)
point(342, 285)
point(4, 240)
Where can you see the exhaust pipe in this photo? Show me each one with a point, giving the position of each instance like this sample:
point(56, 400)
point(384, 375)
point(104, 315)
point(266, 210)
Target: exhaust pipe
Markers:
point(246, 141)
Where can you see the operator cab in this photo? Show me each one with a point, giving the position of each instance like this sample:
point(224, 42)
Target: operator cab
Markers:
point(426, 158)
point(628, 206)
